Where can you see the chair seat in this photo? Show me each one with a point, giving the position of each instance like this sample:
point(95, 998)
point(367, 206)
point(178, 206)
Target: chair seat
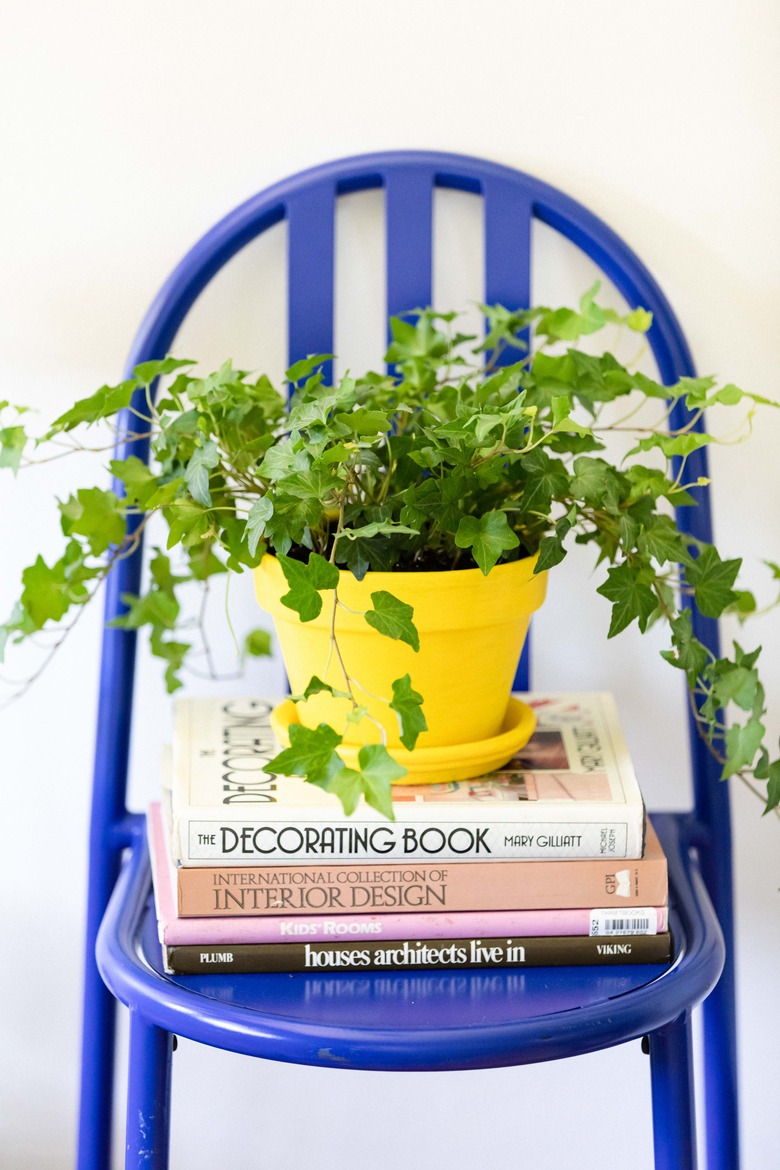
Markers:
point(415, 1020)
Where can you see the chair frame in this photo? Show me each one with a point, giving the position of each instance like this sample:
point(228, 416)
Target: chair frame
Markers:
point(698, 843)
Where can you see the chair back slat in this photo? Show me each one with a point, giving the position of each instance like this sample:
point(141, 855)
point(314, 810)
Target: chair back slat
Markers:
point(409, 235)
point(508, 214)
point(310, 268)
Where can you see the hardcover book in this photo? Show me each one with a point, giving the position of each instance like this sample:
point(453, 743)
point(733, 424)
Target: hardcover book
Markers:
point(571, 792)
point(423, 886)
point(428, 954)
point(175, 930)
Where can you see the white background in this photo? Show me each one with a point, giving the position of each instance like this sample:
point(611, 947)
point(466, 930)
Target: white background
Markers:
point(127, 130)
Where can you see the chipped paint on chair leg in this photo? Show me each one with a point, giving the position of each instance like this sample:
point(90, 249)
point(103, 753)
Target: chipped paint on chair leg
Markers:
point(148, 1096)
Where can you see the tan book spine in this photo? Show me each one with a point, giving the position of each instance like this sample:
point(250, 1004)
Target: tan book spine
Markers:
point(424, 886)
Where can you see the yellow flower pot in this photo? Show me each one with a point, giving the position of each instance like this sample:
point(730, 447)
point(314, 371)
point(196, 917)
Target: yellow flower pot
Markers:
point(472, 628)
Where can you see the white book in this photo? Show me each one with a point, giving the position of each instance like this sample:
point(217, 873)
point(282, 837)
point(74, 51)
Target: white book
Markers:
point(570, 793)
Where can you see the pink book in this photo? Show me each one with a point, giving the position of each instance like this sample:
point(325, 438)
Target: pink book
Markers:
point(175, 931)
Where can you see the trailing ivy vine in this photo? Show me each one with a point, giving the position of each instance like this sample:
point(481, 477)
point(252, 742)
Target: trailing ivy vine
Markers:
point(469, 453)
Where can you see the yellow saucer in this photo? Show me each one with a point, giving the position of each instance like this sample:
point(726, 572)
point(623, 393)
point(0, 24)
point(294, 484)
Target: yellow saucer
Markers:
point(437, 765)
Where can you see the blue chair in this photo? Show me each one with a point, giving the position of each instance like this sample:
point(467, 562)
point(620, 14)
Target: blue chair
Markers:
point(494, 1024)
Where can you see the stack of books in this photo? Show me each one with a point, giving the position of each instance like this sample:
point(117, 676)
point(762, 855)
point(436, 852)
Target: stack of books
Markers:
point(550, 861)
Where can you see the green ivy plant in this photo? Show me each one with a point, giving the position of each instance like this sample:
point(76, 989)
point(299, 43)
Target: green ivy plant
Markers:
point(469, 453)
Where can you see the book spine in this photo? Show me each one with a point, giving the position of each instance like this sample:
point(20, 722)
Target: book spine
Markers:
point(428, 954)
point(404, 889)
point(526, 837)
point(469, 924)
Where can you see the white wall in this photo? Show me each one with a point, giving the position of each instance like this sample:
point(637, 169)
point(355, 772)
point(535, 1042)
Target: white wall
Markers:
point(127, 129)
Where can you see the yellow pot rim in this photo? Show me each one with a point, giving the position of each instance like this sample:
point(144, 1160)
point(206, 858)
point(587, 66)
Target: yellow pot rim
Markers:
point(448, 598)
point(434, 579)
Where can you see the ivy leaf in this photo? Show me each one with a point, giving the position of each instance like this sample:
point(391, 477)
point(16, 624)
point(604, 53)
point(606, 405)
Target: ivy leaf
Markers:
point(639, 320)
point(307, 366)
point(672, 445)
point(196, 476)
point(712, 580)
point(387, 527)
point(358, 558)
point(339, 453)
point(545, 479)
point(487, 537)
point(551, 553)
point(259, 514)
point(312, 753)
point(147, 372)
point(661, 539)
point(139, 482)
point(12, 443)
point(173, 654)
point(745, 603)
point(742, 743)
point(736, 684)
point(365, 422)
point(631, 597)
point(418, 343)
point(393, 618)
point(9, 627)
point(504, 325)
point(569, 426)
point(688, 654)
point(428, 457)
point(45, 596)
point(165, 494)
point(773, 787)
point(283, 460)
point(486, 422)
point(188, 523)
point(257, 644)
point(567, 325)
point(748, 660)
point(347, 785)
point(595, 482)
point(316, 686)
point(407, 704)
point(156, 608)
point(318, 483)
point(162, 574)
point(379, 771)
point(313, 412)
point(306, 581)
point(96, 514)
point(652, 483)
point(104, 403)
point(203, 563)
point(291, 517)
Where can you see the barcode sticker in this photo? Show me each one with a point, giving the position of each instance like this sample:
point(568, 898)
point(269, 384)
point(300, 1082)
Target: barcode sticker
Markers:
point(637, 920)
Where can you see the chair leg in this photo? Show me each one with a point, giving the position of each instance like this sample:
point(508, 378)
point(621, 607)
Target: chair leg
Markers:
point(671, 1070)
point(720, 1073)
point(148, 1096)
point(720, 1022)
point(97, 1068)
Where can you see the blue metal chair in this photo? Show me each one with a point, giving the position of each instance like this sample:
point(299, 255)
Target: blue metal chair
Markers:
point(515, 1018)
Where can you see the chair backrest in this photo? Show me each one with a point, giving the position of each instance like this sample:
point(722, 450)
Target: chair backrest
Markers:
point(307, 202)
